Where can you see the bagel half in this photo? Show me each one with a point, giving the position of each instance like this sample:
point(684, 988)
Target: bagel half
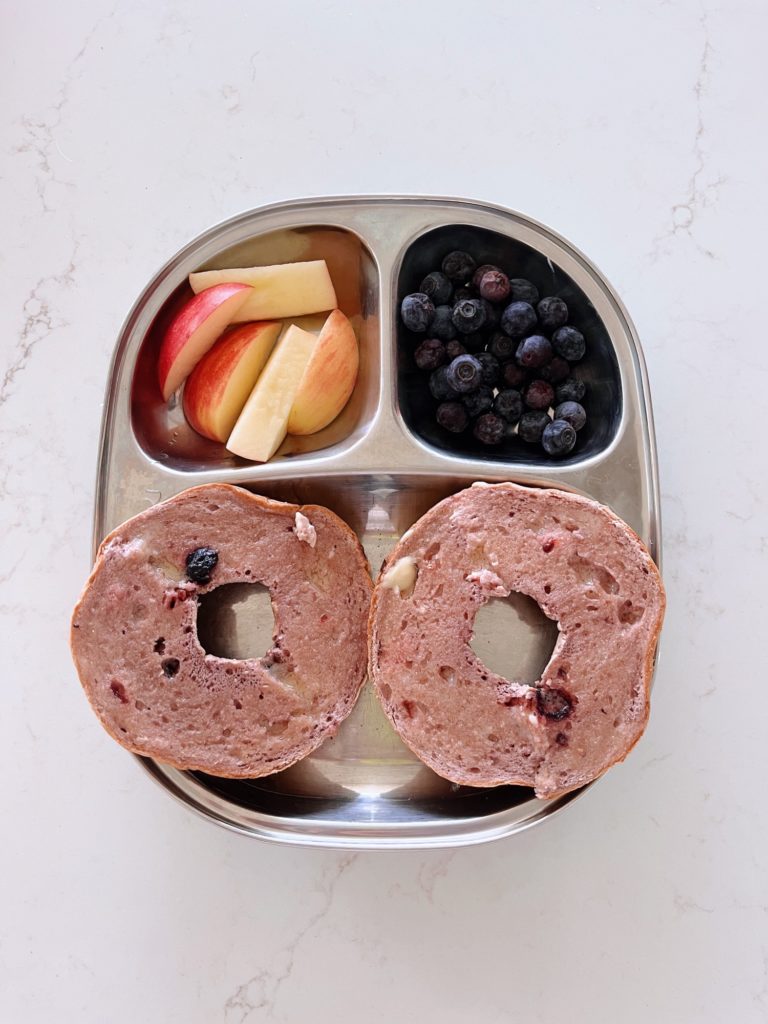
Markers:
point(586, 569)
point(154, 688)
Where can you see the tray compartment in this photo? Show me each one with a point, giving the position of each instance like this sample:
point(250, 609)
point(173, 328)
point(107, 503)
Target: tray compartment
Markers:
point(160, 427)
point(366, 770)
point(599, 369)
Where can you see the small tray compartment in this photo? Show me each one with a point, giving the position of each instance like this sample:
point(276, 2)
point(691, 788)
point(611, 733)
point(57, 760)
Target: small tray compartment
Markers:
point(599, 369)
point(379, 468)
point(160, 427)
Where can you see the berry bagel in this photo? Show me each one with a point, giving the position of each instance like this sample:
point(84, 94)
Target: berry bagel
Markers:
point(135, 643)
point(587, 570)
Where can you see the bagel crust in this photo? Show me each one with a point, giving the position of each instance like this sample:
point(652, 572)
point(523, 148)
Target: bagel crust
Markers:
point(587, 570)
point(135, 644)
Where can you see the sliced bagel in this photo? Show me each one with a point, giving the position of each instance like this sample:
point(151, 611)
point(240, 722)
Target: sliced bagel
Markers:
point(135, 643)
point(587, 570)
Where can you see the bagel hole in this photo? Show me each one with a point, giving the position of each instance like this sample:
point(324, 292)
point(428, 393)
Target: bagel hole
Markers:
point(236, 621)
point(514, 638)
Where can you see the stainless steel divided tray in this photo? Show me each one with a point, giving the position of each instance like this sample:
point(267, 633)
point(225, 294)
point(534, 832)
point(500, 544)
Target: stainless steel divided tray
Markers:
point(380, 465)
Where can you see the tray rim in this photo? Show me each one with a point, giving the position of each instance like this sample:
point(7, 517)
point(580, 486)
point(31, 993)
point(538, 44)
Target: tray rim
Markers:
point(404, 835)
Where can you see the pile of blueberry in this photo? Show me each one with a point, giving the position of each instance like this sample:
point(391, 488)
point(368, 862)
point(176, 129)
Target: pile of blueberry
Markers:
point(499, 358)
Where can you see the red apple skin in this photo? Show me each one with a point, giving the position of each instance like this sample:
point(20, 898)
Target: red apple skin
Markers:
point(329, 378)
point(208, 382)
point(194, 329)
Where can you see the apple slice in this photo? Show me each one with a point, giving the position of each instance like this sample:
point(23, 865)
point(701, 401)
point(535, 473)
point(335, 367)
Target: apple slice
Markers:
point(262, 425)
point(219, 385)
point(329, 378)
point(194, 329)
point(283, 290)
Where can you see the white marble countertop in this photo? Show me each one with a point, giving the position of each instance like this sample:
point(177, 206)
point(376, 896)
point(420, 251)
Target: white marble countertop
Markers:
point(634, 129)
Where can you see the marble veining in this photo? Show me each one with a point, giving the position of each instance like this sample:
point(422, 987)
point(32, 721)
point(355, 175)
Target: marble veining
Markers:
point(39, 320)
point(699, 192)
point(262, 991)
point(40, 132)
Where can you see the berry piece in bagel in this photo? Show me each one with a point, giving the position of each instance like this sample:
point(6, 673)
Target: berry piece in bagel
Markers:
point(586, 569)
point(136, 648)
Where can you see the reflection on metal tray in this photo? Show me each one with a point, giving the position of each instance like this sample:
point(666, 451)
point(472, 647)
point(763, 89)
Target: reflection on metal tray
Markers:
point(379, 466)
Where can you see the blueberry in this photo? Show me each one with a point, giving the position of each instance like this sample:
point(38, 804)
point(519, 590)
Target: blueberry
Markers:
point(442, 323)
point(468, 315)
point(474, 342)
point(452, 416)
point(454, 348)
point(552, 703)
point(417, 311)
point(437, 287)
point(492, 314)
point(513, 375)
point(489, 429)
point(200, 563)
point(569, 343)
point(438, 385)
point(539, 395)
point(509, 405)
point(571, 390)
point(479, 401)
point(502, 346)
point(491, 368)
point(464, 293)
point(521, 290)
point(459, 266)
point(494, 286)
point(534, 351)
point(572, 413)
point(553, 312)
point(465, 374)
point(518, 319)
point(430, 354)
point(478, 274)
point(531, 426)
point(558, 438)
point(555, 370)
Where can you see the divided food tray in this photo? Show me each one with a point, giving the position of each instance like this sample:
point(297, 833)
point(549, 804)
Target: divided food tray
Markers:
point(379, 465)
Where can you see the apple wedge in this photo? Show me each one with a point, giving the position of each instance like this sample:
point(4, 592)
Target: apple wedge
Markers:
point(262, 425)
point(283, 290)
point(219, 385)
point(329, 378)
point(194, 329)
